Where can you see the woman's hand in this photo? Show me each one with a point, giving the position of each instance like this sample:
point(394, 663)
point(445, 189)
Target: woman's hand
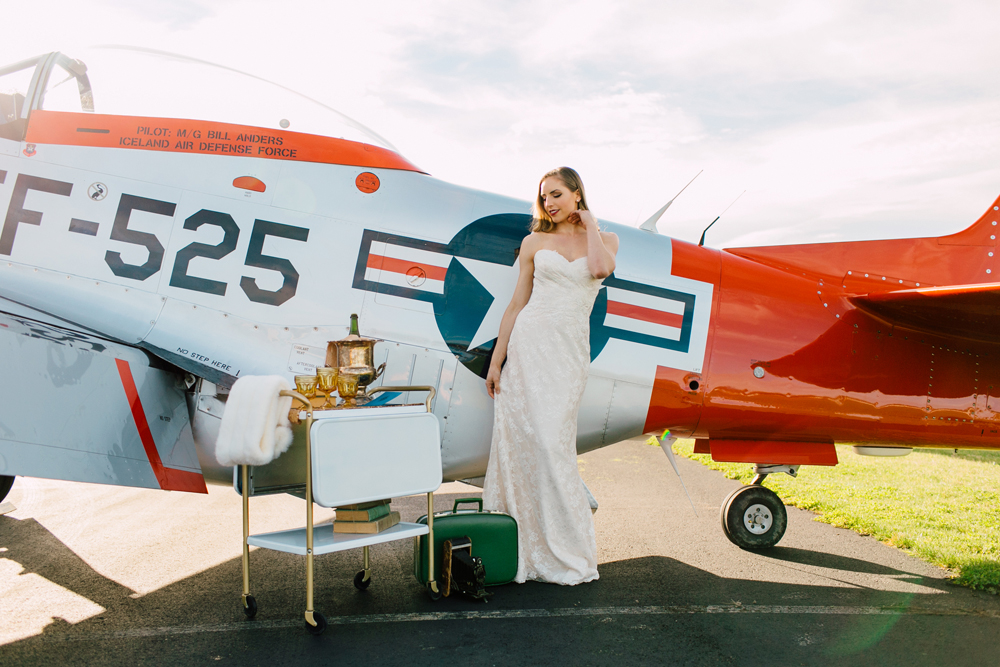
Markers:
point(493, 381)
point(584, 218)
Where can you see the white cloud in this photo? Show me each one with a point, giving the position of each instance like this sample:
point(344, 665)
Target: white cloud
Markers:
point(842, 120)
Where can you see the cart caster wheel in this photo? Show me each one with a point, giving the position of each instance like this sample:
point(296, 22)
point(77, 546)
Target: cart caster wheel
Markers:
point(360, 582)
point(434, 594)
point(250, 607)
point(320, 624)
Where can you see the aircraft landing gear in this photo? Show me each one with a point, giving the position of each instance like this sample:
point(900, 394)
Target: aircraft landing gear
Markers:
point(6, 481)
point(753, 517)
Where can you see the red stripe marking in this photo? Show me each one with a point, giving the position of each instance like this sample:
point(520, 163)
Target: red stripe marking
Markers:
point(645, 314)
point(404, 265)
point(170, 479)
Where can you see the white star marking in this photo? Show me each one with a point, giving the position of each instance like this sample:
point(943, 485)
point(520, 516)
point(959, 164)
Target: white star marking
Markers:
point(500, 281)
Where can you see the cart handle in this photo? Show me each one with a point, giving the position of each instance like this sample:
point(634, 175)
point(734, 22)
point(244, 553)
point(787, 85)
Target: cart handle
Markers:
point(299, 397)
point(430, 392)
point(466, 501)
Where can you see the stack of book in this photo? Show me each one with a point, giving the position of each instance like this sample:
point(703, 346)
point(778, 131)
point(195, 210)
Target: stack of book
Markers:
point(365, 518)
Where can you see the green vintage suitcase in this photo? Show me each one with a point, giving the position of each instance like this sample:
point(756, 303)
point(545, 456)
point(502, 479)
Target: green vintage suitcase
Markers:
point(493, 535)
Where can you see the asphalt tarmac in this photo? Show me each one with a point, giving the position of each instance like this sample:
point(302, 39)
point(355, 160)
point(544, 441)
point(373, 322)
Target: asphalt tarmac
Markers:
point(111, 576)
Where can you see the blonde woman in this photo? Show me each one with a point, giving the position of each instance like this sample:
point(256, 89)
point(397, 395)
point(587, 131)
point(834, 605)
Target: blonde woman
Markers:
point(545, 340)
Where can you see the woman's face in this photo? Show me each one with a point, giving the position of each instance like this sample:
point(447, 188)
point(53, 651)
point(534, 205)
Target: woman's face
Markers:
point(558, 200)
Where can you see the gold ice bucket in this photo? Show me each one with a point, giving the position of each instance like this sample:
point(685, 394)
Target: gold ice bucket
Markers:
point(353, 351)
point(354, 359)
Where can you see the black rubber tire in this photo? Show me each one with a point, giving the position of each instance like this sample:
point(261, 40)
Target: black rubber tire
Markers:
point(433, 595)
point(737, 506)
point(360, 583)
point(6, 481)
point(320, 624)
point(250, 609)
point(724, 507)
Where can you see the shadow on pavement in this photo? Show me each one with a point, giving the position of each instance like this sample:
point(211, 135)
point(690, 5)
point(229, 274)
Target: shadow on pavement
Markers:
point(200, 618)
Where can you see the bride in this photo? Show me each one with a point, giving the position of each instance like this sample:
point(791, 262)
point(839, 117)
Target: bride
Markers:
point(545, 340)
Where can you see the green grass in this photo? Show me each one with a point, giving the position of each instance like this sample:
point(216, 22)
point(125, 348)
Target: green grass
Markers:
point(939, 505)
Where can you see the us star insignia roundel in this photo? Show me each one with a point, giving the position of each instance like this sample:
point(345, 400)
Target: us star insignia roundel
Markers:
point(470, 281)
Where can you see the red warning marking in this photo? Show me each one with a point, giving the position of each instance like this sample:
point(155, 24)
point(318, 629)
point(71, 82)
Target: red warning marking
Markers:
point(170, 479)
point(249, 183)
point(367, 182)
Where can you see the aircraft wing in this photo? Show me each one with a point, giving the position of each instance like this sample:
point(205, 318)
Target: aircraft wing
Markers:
point(970, 311)
point(83, 408)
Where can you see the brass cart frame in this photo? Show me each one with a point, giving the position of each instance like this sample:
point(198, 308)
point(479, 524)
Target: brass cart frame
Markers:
point(315, 622)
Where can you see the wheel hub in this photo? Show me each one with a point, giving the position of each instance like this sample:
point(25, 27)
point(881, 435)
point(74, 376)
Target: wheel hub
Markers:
point(758, 519)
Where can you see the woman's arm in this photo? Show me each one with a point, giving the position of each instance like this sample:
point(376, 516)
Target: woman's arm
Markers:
point(601, 247)
point(522, 293)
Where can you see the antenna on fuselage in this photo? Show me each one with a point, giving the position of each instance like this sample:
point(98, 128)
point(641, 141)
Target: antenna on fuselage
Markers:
point(650, 225)
point(702, 241)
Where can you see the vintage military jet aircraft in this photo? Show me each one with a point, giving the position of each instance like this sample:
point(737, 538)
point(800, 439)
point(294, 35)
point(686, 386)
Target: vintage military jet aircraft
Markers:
point(152, 253)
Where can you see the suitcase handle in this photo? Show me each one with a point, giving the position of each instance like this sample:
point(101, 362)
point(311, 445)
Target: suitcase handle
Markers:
point(465, 501)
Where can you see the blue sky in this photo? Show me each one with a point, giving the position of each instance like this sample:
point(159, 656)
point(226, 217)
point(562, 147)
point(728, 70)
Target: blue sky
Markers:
point(842, 120)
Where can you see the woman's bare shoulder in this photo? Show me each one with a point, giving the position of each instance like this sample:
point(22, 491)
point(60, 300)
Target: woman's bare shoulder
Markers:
point(531, 244)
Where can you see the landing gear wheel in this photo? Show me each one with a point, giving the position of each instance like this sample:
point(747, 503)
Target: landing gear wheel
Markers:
point(753, 517)
point(250, 607)
point(725, 507)
point(6, 481)
point(433, 592)
point(360, 582)
point(320, 624)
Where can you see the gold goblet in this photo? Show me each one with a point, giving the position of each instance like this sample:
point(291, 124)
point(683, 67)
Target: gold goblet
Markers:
point(347, 385)
point(327, 377)
point(306, 385)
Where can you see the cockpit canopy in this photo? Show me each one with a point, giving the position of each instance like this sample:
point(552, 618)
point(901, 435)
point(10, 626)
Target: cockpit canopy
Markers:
point(137, 82)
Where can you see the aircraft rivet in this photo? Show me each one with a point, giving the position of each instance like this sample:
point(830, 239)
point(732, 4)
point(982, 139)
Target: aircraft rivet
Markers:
point(817, 291)
point(994, 223)
point(996, 208)
point(866, 275)
point(883, 277)
point(989, 271)
point(848, 273)
point(824, 305)
point(918, 284)
point(838, 316)
point(992, 236)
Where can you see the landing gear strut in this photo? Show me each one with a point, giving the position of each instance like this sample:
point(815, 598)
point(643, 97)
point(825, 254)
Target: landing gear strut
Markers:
point(753, 517)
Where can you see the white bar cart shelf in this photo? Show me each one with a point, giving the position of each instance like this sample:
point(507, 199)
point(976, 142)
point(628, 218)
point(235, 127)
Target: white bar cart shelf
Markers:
point(354, 456)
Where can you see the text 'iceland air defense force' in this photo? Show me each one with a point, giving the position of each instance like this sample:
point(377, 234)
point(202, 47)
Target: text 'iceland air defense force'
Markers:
point(158, 245)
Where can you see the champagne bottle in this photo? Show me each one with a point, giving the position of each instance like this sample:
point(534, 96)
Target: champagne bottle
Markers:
point(354, 325)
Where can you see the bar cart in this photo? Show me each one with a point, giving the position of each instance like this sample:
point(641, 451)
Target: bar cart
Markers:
point(354, 455)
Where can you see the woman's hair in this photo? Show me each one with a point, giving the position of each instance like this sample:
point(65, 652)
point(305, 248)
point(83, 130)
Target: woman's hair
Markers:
point(541, 221)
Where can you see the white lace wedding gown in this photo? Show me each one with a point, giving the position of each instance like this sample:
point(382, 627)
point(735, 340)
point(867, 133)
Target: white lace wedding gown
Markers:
point(532, 473)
